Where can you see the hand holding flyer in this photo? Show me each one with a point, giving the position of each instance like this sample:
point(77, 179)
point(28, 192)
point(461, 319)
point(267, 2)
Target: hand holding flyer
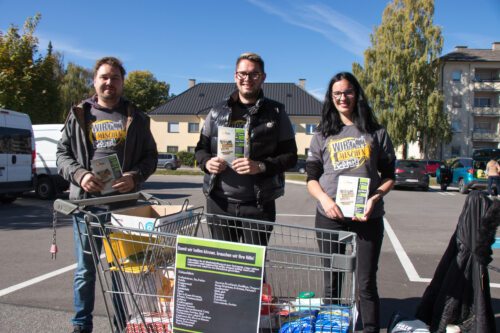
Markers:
point(107, 169)
point(352, 195)
point(231, 143)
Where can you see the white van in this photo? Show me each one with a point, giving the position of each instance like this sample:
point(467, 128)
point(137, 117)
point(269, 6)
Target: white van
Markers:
point(17, 155)
point(47, 181)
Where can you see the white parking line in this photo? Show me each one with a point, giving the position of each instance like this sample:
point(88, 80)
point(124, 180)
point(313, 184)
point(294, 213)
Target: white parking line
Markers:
point(410, 270)
point(33, 281)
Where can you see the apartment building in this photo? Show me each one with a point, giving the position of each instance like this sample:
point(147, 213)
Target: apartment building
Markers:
point(470, 82)
point(176, 124)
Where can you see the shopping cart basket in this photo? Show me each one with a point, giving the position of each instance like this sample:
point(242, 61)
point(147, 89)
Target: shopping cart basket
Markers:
point(298, 262)
point(135, 272)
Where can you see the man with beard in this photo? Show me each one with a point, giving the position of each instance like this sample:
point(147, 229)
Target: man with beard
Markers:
point(102, 125)
point(248, 186)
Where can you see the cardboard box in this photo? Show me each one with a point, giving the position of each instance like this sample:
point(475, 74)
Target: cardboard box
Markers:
point(149, 217)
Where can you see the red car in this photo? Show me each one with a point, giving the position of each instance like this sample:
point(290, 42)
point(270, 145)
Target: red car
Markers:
point(431, 166)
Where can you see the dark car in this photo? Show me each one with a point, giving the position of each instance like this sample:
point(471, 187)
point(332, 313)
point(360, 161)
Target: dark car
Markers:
point(299, 167)
point(431, 166)
point(411, 173)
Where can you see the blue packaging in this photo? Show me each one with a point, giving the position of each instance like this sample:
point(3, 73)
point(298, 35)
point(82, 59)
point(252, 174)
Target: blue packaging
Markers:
point(302, 325)
point(335, 319)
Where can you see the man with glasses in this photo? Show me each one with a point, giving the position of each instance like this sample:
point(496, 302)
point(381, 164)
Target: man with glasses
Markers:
point(248, 186)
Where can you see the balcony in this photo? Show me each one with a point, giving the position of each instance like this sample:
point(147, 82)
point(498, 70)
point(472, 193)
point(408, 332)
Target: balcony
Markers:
point(486, 111)
point(486, 85)
point(485, 136)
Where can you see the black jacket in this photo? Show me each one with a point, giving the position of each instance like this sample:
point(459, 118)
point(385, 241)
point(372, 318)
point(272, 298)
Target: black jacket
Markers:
point(263, 127)
point(459, 292)
point(73, 151)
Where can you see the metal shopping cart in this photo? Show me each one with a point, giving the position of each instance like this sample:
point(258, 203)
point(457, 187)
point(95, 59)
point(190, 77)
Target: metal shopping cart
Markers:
point(137, 274)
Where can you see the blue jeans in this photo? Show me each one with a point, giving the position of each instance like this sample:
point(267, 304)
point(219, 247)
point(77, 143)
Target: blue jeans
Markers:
point(85, 274)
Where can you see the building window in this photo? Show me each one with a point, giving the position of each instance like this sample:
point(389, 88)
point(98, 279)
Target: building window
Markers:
point(456, 101)
point(482, 102)
point(172, 149)
point(455, 151)
point(173, 127)
point(456, 75)
point(483, 126)
point(310, 128)
point(193, 127)
point(456, 126)
point(191, 149)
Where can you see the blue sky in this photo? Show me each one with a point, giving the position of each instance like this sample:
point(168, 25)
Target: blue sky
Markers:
point(200, 39)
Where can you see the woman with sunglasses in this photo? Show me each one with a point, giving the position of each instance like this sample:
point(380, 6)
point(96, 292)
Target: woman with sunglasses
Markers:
point(349, 141)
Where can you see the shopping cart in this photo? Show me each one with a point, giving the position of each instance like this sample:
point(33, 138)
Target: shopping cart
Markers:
point(137, 272)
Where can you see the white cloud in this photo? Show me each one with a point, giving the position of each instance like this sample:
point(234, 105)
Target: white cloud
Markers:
point(334, 26)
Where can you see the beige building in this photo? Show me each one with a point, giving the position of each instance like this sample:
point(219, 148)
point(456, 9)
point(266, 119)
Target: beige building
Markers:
point(176, 124)
point(470, 82)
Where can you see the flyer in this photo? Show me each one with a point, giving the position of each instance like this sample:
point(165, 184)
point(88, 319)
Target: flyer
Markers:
point(231, 143)
point(107, 169)
point(352, 195)
point(216, 282)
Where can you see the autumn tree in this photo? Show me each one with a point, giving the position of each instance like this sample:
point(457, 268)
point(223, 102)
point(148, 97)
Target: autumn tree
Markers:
point(29, 81)
point(400, 75)
point(142, 88)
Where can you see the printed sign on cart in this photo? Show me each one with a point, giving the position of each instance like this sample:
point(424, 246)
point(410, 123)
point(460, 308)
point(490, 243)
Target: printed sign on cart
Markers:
point(216, 282)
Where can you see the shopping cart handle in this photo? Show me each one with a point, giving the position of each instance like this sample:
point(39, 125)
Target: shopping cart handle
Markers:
point(67, 207)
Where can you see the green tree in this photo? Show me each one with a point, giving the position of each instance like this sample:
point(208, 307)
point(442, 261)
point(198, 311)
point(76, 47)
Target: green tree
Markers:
point(28, 81)
point(400, 75)
point(142, 88)
point(76, 85)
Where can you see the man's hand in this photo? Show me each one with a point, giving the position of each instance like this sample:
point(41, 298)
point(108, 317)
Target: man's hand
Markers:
point(245, 166)
point(124, 184)
point(90, 183)
point(215, 165)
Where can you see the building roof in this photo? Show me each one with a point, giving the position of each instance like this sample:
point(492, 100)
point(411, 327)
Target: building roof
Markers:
point(201, 97)
point(462, 53)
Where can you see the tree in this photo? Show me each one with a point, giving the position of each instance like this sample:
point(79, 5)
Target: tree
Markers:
point(142, 88)
point(400, 75)
point(29, 82)
point(76, 85)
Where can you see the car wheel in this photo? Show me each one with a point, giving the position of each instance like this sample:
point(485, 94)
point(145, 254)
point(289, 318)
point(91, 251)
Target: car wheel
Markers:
point(444, 187)
point(461, 187)
point(169, 166)
point(425, 188)
point(45, 188)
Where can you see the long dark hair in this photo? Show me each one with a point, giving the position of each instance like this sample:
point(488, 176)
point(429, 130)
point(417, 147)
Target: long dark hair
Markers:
point(362, 115)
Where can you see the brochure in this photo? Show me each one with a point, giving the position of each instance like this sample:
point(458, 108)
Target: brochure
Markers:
point(107, 169)
point(231, 143)
point(352, 194)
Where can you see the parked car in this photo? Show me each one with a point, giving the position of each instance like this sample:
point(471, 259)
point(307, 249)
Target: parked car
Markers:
point(299, 167)
point(411, 173)
point(169, 161)
point(431, 166)
point(465, 173)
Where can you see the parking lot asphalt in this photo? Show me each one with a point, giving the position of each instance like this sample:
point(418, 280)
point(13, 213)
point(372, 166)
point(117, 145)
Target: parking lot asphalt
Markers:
point(32, 286)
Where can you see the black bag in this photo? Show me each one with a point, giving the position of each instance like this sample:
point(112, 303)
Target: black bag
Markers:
point(400, 323)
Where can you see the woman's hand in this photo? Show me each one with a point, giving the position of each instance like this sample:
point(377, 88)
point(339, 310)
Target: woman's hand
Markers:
point(215, 165)
point(330, 207)
point(370, 204)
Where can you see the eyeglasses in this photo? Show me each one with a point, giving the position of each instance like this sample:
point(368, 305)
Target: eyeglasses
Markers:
point(349, 93)
point(251, 75)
